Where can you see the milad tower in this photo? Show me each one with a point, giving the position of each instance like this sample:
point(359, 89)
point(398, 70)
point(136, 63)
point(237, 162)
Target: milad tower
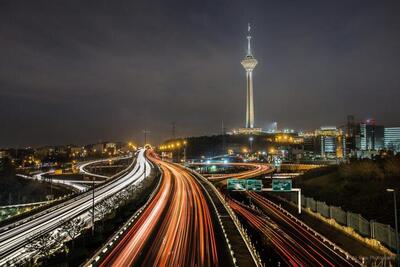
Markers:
point(249, 63)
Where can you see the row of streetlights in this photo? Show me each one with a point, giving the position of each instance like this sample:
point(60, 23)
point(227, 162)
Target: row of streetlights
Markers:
point(173, 145)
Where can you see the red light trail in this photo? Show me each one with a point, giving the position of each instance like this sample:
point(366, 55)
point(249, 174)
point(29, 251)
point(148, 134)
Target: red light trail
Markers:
point(175, 229)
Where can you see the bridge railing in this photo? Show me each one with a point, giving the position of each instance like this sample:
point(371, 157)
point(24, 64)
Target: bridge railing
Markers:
point(366, 228)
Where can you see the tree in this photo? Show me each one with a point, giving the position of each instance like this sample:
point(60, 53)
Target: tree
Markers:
point(391, 167)
point(44, 245)
point(73, 228)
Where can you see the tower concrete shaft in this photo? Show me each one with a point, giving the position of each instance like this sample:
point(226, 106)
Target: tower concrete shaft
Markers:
point(250, 104)
point(249, 63)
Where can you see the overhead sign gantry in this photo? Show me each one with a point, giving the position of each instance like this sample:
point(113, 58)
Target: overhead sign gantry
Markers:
point(278, 185)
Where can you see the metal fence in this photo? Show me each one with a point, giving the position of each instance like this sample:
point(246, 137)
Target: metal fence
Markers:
point(381, 232)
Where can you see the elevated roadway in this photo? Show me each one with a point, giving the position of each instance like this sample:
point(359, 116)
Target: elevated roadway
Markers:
point(253, 170)
point(15, 237)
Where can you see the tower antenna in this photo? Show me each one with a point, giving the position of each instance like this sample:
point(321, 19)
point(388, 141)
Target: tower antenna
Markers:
point(248, 40)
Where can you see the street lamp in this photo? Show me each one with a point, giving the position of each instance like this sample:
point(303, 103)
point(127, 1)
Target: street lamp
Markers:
point(184, 150)
point(93, 206)
point(251, 143)
point(395, 222)
point(145, 132)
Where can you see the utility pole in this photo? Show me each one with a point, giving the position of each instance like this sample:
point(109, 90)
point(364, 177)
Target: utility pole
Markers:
point(223, 136)
point(93, 205)
point(184, 151)
point(51, 188)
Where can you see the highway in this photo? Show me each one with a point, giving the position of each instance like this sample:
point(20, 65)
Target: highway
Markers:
point(175, 229)
point(254, 169)
point(82, 167)
point(297, 244)
point(13, 238)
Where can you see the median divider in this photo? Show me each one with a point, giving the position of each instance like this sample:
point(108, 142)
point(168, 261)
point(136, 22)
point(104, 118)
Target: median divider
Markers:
point(238, 257)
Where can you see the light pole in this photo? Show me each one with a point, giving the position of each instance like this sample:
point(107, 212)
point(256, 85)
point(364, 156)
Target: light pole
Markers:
point(251, 143)
point(145, 132)
point(184, 150)
point(93, 206)
point(395, 222)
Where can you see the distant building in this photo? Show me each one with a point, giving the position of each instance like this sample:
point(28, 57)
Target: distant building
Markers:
point(110, 148)
point(309, 142)
point(76, 151)
point(330, 143)
point(247, 131)
point(44, 152)
point(392, 138)
point(352, 135)
point(97, 148)
point(371, 136)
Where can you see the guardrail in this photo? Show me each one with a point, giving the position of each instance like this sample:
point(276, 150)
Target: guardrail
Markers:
point(320, 236)
point(371, 229)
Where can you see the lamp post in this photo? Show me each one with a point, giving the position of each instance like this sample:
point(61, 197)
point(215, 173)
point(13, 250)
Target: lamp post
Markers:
point(395, 222)
point(184, 151)
point(251, 143)
point(145, 132)
point(93, 206)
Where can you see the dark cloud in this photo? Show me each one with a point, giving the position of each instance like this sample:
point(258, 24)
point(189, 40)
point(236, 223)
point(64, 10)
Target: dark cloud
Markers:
point(83, 71)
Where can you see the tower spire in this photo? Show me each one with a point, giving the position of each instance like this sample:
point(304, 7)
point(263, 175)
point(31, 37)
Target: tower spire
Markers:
point(248, 40)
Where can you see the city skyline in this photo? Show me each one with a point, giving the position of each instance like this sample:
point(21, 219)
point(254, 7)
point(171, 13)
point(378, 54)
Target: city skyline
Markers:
point(108, 72)
point(199, 133)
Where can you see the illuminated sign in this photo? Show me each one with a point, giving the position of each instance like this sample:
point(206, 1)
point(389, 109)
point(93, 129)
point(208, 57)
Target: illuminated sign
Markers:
point(281, 185)
point(236, 184)
point(254, 185)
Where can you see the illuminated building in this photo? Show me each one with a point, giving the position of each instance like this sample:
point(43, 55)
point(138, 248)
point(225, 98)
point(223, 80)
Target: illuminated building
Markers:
point(352, 135)
point(392, 138)
point(330, 142)
point(371, 136)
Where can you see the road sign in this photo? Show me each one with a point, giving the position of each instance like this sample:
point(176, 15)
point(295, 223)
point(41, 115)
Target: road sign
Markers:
point(254, 185)
point(277, 162)
point(281, 185)
point(236, 184)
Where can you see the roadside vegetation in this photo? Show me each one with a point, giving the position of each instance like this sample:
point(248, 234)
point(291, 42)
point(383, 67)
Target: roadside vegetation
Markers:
point(359, 186)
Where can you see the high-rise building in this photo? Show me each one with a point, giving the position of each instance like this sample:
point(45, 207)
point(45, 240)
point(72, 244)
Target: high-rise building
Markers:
point(392, 138)
point(371, 136)
point(249, 63)
point(352, 135)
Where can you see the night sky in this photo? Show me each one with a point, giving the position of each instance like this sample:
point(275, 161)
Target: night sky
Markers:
point(87, 71)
